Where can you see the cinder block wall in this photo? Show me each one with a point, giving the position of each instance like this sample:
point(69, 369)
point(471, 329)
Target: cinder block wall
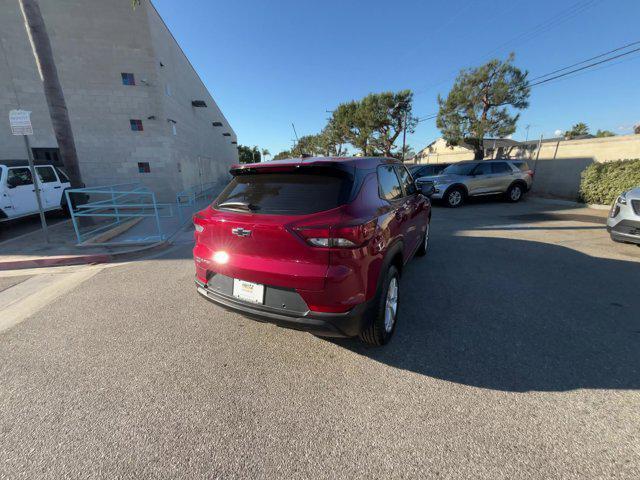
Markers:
point(94, 42)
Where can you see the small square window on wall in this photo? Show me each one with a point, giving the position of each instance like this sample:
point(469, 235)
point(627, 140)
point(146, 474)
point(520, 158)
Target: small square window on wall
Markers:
point(143, 167)
point(136, 125)
point(128, 79)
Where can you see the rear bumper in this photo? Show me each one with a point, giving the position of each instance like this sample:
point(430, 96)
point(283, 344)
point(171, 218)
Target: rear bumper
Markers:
point(348, 324)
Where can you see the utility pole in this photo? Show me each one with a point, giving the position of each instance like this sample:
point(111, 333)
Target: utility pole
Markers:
point(535, 164)
point(404, 135)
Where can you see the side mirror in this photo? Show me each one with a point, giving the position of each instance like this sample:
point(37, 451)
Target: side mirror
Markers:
point(427, 189)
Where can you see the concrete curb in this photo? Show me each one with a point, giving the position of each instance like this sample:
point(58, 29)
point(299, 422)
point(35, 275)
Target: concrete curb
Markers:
point(568, 203)
point(66, 260)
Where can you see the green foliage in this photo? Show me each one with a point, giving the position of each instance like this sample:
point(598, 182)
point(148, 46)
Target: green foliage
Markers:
point(478, 104)
point(577, 130)
point(307, 145)
point(603, 182)
point(373, 124)
point(282, 155)
point(605, 133)
point(248, 154)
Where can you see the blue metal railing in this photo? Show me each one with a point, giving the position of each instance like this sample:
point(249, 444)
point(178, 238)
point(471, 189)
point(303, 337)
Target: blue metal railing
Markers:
point(191, 195)
point(112, 205)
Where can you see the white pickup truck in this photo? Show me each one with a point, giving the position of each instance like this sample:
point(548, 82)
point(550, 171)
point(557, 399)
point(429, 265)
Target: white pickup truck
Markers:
point(17, 191)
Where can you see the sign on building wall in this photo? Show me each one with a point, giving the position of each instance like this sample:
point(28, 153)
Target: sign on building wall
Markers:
point(20, 121)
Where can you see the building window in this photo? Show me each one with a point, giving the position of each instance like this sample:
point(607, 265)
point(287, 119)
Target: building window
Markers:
point(143, 167)
point(136, 125)
point(128, 79)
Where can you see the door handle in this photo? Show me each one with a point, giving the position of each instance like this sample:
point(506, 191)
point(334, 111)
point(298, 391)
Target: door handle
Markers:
point(56, 188)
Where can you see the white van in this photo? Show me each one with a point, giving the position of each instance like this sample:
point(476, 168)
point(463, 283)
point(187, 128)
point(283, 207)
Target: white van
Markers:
point(17, 192)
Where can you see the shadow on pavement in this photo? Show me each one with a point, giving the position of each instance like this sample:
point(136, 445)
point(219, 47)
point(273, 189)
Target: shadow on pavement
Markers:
point(527, 316)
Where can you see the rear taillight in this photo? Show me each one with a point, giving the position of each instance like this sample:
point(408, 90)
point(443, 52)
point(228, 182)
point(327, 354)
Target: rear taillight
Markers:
point(338, 236)
point(530, 172)
point(196, 223)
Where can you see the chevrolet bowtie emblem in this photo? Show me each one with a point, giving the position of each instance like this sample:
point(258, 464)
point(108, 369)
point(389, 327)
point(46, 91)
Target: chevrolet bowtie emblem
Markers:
point(241, 232)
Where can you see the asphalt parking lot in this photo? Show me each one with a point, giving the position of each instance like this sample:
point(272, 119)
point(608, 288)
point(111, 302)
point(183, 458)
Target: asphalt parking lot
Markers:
point(517, 355)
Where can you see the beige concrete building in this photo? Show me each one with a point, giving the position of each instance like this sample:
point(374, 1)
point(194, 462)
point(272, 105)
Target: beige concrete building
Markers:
point(559, 162)
point(138, 109)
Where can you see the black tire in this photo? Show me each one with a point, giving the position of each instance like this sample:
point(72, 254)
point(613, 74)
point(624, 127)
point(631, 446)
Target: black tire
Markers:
point(376, 333)
point(424, 243)
point(515, 193)
point(454, 197)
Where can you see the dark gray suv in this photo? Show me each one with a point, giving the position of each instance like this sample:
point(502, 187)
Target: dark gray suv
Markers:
point(511, 178)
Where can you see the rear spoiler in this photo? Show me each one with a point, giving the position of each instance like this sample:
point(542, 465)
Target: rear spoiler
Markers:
point(273, 167)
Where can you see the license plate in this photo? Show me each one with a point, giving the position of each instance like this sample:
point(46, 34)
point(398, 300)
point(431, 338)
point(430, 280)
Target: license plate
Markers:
point(248, 291)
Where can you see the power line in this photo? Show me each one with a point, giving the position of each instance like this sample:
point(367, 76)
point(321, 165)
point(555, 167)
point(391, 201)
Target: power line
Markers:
point(584, 68)
point(552, 22)
point(587, 60)
point(565, 15)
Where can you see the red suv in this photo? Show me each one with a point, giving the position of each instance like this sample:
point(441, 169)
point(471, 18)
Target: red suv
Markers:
point(315, 244)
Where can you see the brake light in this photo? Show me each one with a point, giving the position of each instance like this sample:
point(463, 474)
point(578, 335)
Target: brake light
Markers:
point(530, 172)
point(198, 226)
point(338, 236)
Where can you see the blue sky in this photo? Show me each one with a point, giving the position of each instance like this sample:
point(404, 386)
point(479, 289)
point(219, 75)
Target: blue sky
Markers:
point(270, 63)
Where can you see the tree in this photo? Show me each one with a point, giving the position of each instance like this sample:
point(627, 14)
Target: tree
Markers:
point(282, 155)
point(577, 130)
point(265, 152)
point(604, 133)
point(478, 104)
point(371, 125)
point(332, 141)
point(389, 112)
point(354, 125)
point(52, 89)
point(248, 154)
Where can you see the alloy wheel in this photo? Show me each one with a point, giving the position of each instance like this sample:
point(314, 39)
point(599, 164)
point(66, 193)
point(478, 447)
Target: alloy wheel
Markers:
point(455, 198)
point(391, 306)
point(516, 193)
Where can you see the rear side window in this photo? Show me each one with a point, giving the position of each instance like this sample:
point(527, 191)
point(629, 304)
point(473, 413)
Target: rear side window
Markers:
point(500, 167)
point(46, 174)
point(310, 190)
point(482, 169)
point(388, 183)
point(524, 166)
point(19, 176)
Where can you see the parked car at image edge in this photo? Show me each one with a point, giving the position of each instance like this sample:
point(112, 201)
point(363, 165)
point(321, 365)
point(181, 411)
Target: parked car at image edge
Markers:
point(459, 181)
point(623, 223)
point(315, 244)
point(17, 191)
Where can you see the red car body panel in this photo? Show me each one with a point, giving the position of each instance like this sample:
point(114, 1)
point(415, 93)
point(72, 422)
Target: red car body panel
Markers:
point(329, 279)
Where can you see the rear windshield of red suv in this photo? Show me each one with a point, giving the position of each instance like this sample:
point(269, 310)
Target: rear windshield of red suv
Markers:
point(301, 192)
